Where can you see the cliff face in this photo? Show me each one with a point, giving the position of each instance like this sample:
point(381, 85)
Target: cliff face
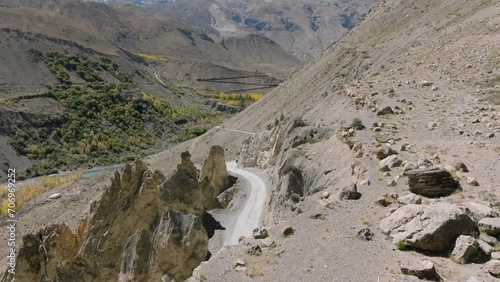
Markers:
point(144, 228)
point(279, 150)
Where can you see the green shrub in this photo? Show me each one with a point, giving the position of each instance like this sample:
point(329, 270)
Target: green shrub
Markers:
point(402, 246)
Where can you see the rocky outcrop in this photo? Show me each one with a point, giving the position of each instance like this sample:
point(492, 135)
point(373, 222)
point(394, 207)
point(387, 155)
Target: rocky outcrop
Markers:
point(214, 177)
point(143, 229)
point(43, 250)
point(428, 228)
point(431, 182)
point(263, 150)
point(280, 149)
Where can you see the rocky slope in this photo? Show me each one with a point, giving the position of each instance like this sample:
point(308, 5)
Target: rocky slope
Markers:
point(156, 227)
point(411, 100)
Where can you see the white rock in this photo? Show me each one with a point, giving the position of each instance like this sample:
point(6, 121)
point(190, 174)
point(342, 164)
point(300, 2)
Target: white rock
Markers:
point(268, 242)
point(472, 181)
point(240, 263)
point(410, 199)
point(55, 196)
point(488, 239)
point(485, 247)
point(493, 267)
point(365, 183)
point(391, 161)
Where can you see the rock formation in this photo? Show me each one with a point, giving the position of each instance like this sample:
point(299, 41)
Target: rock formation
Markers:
point(214, 177)
point(430, 228)
point(143, 229)
point(279, 148)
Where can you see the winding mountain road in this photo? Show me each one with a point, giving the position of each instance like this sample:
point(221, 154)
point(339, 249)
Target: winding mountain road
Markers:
point(250, 215)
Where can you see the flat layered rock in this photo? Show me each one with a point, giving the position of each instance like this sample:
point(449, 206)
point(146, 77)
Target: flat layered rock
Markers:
point(431, 182)
point(423, 269)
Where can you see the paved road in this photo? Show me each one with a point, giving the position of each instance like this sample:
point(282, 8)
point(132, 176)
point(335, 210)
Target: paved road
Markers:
point(251, 213)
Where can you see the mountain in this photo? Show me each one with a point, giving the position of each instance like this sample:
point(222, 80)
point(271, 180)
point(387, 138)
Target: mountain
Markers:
point(304, 28)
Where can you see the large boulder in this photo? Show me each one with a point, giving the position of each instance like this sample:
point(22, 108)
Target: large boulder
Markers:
point(466, 249)
point(429, 228)
point(431, 182)
point(41, 252)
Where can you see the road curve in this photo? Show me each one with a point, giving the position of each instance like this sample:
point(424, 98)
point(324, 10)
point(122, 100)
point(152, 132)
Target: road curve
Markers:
point(251, 214)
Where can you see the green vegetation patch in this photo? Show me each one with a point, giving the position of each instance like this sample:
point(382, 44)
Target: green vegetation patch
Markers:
point(236, 99)
point(104, 123)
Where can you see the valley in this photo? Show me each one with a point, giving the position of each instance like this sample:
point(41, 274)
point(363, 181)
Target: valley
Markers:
point(144, 98)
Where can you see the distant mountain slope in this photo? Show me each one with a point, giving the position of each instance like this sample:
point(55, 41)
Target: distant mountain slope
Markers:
point(303, 27)
point(99, 26)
